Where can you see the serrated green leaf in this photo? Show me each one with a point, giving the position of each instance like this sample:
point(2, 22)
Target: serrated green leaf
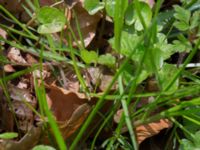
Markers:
point(195, 20)
point(107, 60)
point(183, 17)
point(182, 14)
point(89, 56)
point(93, 6)
point(43, 147)
point(183, 26)
point(8, 135)
point(52, 20)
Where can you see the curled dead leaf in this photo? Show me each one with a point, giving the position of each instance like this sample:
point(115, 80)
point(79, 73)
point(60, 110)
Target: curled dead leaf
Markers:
point(70, 109)
point(146, 130)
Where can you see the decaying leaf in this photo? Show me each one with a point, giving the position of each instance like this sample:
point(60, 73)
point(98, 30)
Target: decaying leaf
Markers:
point(3, 34)
point(8, 68)
point(24, 114)
point(15, 56)
point(30, 59)
point(70, 109)
point(79, 115)
point(100, 77)
point(146, 130)
point(30, 139)
point(87, 24)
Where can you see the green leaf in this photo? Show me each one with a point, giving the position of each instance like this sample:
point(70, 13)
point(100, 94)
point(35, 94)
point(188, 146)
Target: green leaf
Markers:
point(146, 14)
point(107, 60)
point(128, 42)
point(195, 20)
point(93, 6)
point(183, 26)
point(52, 20)
point(89, 56)
point(8, 135)
point(129, 72)
point(182, 14)
point(193, 144)
point(183, 17)
point(129, 15)
point(166, 74)
point(110, 7)
point(43, 147)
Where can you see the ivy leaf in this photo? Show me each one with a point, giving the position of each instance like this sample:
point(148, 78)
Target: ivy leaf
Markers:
point(93, 6)
point(43, 147)
point(89, 56)
point(8, 135)
point(52, 20)
point(107, 60)
point(166, 74)
point(183, 17)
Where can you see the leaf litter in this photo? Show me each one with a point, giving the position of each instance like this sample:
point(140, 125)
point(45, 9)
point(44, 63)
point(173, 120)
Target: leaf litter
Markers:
point(70, 107)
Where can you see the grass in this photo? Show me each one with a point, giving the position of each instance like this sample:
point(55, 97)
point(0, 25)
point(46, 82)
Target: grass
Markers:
point(174, 103)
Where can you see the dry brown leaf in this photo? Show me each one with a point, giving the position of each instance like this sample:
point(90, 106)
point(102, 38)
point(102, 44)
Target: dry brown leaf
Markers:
point(100, 77)
point(30, 139)
point(24, 114)
point(30, 59)
point(87, 24)
point(75, 121)
point(70, 109)
point(145, 131)
point(8, 68)
point(15, 56)
point(3, 34)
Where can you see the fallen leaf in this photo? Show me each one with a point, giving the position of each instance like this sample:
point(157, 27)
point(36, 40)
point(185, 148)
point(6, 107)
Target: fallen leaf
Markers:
point(15, 56)
point(100, 77)
point(87, 24)
point(3, 34)
point(148, 130)
point(69, 108)
point(30, 59)
point(75, 121)
point(23, 113)
point(8, 68)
